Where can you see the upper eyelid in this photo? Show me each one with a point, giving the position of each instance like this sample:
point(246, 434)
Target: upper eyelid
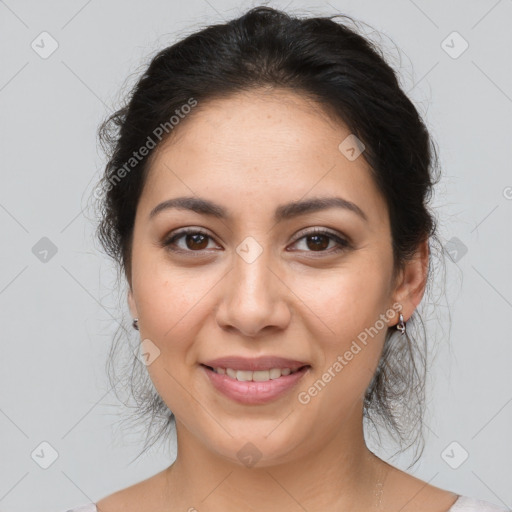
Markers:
point(320, 230)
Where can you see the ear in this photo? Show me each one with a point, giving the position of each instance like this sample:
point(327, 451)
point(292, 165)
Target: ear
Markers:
point(412, 282)
point(131, 304)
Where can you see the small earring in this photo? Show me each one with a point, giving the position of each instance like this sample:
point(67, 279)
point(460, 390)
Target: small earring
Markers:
point(401, 324)
point(135, 323)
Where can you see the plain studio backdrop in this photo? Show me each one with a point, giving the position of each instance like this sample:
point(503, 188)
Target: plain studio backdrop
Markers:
point(63, 64)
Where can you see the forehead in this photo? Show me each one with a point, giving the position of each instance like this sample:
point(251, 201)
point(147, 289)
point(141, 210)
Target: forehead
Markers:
point(260, 148)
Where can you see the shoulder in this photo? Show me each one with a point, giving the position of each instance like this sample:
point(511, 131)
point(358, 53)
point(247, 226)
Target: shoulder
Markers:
point(416, 495)
point(468, 504)
point(407, 493)
point(137, 497)
point(410, 494)
point(124, 500)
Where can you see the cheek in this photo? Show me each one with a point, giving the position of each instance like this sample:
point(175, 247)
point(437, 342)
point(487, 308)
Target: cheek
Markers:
point(350, 334)
point(349, 356)
point(343, 301)
point(171, 316)
point(176, 306)
point(352, 355)
point(171, 308)
point(168, 298)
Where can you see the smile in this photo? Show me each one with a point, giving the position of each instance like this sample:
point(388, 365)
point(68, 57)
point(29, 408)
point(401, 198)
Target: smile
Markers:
point(254, 387)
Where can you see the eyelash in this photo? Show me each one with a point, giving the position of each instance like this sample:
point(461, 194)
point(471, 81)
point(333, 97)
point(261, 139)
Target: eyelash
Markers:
point(169, 241)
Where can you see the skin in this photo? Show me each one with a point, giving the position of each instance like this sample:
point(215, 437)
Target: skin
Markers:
point(251, 153)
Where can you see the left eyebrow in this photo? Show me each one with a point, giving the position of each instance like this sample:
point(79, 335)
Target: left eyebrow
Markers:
point(283, 212)
point(295, 209)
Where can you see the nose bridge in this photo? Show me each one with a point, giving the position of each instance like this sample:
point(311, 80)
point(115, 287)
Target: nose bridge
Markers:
point(251, 271)
point(252, 298)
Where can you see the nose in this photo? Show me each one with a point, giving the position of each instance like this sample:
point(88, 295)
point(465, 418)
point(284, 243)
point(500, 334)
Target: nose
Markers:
point(254, 297)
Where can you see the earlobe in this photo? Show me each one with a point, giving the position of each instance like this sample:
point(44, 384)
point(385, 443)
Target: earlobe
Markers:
point(131, 305)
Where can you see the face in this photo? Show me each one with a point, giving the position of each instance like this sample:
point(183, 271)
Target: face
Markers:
point(260, 280)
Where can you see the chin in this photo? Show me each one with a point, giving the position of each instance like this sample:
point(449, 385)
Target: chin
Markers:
point(270, 445)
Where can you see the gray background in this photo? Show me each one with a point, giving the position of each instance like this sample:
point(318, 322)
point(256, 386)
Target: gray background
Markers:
point(58, 311)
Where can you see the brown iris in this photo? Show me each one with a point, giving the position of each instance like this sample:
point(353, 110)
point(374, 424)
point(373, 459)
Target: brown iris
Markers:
point(318, 245)
point(199, 241)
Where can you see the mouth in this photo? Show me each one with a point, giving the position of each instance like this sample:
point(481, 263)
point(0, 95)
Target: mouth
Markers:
point(254, 387)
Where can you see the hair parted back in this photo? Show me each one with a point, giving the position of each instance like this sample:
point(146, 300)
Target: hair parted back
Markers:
point(346, 74)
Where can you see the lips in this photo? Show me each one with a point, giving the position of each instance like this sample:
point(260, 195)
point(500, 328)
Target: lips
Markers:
point(254, 392)
point(254, 381)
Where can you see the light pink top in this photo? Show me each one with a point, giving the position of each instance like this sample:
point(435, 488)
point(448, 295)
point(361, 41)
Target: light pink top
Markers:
point(463, 504)
point(467, 504)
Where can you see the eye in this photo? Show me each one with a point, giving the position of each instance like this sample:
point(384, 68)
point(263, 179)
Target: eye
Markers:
point(196, 241)
point(320, 240)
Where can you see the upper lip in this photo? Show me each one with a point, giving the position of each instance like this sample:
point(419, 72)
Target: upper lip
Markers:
point(254, 364)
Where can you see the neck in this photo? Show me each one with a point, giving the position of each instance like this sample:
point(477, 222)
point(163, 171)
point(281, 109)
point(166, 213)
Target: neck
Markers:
point(341, 474)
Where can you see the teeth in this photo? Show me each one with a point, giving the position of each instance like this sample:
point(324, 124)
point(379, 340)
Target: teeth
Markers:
point(258, 376)
point(243, 375)
point(274, 373)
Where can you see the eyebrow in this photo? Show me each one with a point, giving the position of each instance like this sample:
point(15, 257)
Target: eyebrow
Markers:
point(283, 212)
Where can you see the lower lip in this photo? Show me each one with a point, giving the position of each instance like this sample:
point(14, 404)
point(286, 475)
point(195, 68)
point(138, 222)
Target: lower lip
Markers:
point(250, 392)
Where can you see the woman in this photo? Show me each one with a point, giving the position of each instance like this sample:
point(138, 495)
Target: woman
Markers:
point(267, 199)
